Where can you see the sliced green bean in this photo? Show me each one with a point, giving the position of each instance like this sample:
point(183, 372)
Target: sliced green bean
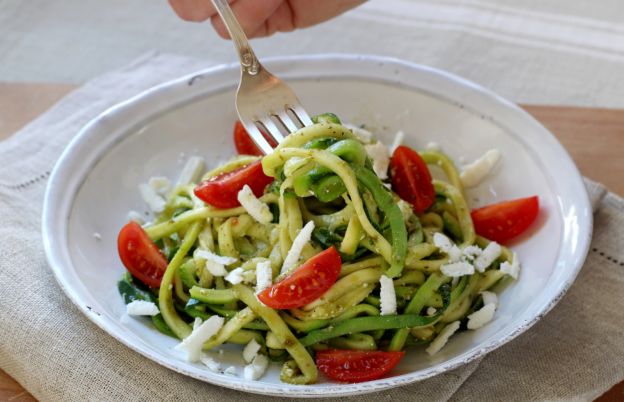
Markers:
point(213, 296)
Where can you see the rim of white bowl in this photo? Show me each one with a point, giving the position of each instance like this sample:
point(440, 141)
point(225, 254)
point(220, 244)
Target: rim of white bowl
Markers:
point(58, 205)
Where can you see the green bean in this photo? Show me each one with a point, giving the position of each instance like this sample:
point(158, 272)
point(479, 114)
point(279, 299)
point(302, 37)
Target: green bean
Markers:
point(394, 216)
point(365, 324)
point(354, 342)
point(451, 225)
point(326, 118)
point(328, 188)
point(419, 300)
point(349, 150)
point(243, 337)
point(213, 296)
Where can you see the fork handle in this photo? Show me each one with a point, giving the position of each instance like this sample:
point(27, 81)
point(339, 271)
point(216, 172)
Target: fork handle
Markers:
point(249, 63)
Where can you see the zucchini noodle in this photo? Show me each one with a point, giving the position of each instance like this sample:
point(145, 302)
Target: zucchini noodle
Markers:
point(322, 174)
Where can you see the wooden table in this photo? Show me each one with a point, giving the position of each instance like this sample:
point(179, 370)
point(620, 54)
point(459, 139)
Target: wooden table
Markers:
point(594, 138)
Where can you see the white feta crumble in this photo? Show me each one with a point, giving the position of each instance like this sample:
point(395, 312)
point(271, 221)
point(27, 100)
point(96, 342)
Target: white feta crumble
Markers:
point(235, 276)
point(257, 368)
point(363, 134)
point(398, 140)
point(378, 152)
point(251, 350)
point(141, 307)
point(193, 343)
point(406, 209)
point(512, 269)
point(489, 298)
point(302, 238)
point(433, 146)
point(215, 268)
point(474, 173)
point(442, 338)
point(470, 253)
point(482, 316)
point(460, 268)
point(97, 236)
point(387, 296)
point(136, 217)
point(153, 200)
point(230, 371)
point(488, 256)
point(254, 207)
point(211, 363)
point(215, 264)
point(160, 184)
point(431, 310)
point(264, 275)
point(446, 246)
point(192, 171)
point(196, 324)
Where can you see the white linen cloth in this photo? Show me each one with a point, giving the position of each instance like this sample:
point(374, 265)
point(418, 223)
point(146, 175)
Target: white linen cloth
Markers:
point(567, 52)
point(46, 344)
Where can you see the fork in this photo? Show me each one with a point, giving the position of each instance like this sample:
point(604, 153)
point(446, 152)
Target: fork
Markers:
point(263, 101)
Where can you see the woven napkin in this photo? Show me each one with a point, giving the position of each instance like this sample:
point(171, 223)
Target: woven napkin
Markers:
point(46, 344)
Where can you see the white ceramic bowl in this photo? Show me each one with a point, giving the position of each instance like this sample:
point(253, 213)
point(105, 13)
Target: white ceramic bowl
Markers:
point(94, 185)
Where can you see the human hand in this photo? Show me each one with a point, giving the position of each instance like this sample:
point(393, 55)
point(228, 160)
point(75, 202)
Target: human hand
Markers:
point(265, 17)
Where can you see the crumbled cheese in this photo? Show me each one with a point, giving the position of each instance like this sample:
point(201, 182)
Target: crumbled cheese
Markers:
point(363, 134)
point(193, 343)
point(264, 275)
point(482, 316)
point(474, 173)
point(141, 307)
point(160, 184)
point(302, 238)
point(215, 268)
point(97, 236)
point(489, 298)
point(387, 296)
point(210, 256)
point(135, 216)
point(442, 338)
point(431, 310)
point(446, 246)
point(470, 253)
point(406, 209)
point(154, 201)
point(254, 207)
point(512, 269)
point(251, 350)
point(460, 268)
point(230, 371)
point(211, 363)
point(257, 368)
point(198, 321)
point(488, 256)
point(192, 171)
point(378, 152)
point(398, 140)
point(235, 276)
point(433, 146)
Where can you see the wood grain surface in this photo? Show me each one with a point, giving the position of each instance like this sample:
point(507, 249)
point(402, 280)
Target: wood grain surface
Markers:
point(593, 137)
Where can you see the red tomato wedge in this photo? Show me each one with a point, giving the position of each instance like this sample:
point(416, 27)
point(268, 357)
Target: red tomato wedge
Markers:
point(411, 179)
point(243, 142)
point(222, 191)
point(306, 284)
point(356, 365)
point(140, 255)
point(505, 220)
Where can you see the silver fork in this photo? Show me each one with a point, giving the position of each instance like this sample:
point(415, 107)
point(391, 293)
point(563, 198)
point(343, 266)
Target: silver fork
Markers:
point(263, 101)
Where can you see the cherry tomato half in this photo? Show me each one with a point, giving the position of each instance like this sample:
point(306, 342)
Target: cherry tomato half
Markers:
point(306, 284)
point(411, 179)
point(222, 191)
point(140, 255)
point(243, 142)
point(505, 220)
point(356, 365)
